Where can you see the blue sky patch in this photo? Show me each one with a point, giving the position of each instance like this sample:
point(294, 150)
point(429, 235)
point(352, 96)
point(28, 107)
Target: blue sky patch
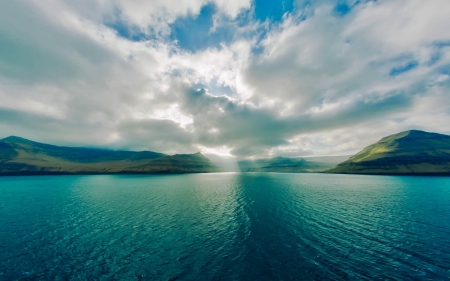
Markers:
point(445, 69)
point(272, 10)
point(344, 7)
point(194, 33)
point(341, 9)
point(403, 68)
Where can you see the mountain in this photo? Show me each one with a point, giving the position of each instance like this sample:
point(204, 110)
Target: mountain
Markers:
point(332, 160)
point(178, 163)
point(410, 152)
point(20, 156)
point(283, 165)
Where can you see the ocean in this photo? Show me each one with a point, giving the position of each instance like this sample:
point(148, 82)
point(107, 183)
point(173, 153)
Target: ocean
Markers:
point(225, 226)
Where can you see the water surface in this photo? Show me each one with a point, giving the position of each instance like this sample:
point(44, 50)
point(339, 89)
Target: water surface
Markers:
point(251, 226)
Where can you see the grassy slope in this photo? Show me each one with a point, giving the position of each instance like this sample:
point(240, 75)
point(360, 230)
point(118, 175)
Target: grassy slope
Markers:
point(21, 156)
point(410, 152)
point(179, 163)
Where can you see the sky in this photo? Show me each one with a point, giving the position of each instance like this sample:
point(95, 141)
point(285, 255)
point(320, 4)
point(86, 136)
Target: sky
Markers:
point(234, 78)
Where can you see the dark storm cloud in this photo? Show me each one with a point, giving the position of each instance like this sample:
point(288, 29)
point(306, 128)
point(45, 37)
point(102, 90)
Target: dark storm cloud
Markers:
point(220, 121)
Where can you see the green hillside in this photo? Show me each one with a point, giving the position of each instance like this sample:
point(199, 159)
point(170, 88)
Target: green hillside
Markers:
point(20, 156)
point(409, 152)
point(179, 163)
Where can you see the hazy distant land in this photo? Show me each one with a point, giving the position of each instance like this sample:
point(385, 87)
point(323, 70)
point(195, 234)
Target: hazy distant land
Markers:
point(291, 165)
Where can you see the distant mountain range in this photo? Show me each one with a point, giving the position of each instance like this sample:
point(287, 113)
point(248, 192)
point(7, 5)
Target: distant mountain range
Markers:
point(290, 165)
point(407, 153)
point(20, 156)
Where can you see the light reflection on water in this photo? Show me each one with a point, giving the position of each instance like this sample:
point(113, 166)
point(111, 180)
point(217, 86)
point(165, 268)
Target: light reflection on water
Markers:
point(230, 226)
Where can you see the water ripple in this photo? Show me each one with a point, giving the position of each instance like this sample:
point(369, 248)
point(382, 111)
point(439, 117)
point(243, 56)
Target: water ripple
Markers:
point(225, 227)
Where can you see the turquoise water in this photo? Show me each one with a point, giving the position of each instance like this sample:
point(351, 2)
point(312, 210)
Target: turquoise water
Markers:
point(234, 226)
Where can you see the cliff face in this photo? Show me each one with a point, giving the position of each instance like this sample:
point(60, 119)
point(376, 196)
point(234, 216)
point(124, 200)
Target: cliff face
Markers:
point(409, 152)
point(19, 156)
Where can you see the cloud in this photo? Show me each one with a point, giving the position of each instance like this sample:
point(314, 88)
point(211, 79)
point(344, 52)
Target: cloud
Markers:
point(321, 78)
point(337, 65)
point(152, 17)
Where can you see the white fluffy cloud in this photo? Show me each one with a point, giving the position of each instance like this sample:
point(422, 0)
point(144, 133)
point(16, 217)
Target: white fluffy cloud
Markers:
point(322, 83)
